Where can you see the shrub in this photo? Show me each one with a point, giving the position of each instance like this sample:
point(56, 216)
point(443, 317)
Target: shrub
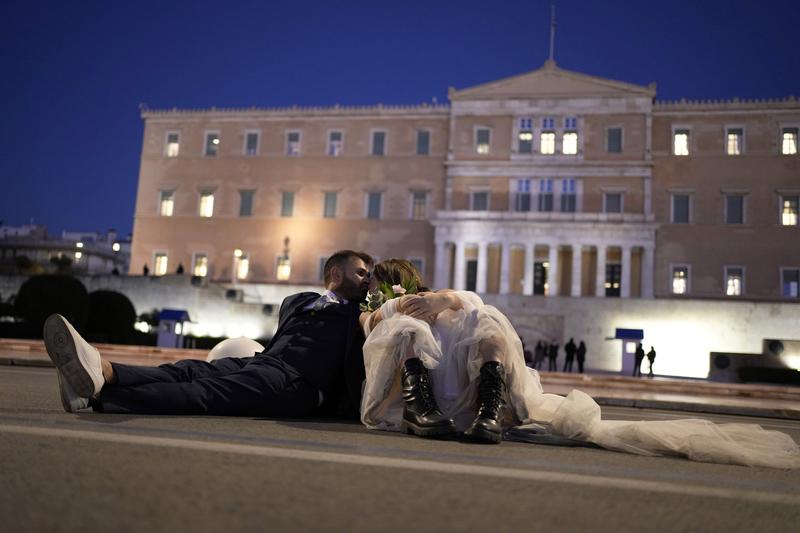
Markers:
point(111, 317)
point(41, 296)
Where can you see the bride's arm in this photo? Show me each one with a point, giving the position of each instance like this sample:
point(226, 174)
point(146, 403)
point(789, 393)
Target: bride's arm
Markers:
point(430, 304)
point(369, 320)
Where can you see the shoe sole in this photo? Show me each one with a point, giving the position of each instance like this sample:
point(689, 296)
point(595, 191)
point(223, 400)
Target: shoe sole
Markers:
point(483, 436)
point(439, 431)
point(68, 396)
point(62, 351)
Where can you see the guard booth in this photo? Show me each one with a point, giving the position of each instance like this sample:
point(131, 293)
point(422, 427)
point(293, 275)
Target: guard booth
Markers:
point(629, 338)
point(170, 327)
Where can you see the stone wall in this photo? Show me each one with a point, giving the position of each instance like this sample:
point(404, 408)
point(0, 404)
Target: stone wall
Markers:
point(683, 332)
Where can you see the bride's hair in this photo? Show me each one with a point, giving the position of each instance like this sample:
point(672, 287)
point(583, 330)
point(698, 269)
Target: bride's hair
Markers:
point(399, 272)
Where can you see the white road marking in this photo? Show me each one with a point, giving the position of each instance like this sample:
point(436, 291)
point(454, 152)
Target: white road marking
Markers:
point(413, 464)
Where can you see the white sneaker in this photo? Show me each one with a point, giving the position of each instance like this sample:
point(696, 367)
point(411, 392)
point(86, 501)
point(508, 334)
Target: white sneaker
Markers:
point(70, 399)
point(77, 361)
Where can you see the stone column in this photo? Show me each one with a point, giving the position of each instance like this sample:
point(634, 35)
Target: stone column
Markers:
point(552, 273)
point(647, 271)
point(505, 267)
point(600, 289)
point(460, 267)
point(480, 284)
point(530, 259)
point(577, 269)
point(442, 266)
point(625, 282)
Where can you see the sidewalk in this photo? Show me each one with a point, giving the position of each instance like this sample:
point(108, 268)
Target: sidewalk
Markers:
point(775, 401)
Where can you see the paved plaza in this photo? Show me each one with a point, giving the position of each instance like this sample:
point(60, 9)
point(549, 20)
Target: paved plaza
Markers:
point(88, 471)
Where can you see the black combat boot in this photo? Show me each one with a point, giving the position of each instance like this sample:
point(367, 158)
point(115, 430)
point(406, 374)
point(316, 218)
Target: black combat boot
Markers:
point(486, 427)
point(421, 415)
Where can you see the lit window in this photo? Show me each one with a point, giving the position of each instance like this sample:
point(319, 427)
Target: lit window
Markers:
point(568, 196)
point(483, 138)
point(419, 205)
point(790, 282)
point(525, 145)
point(206, 204)
point(246, 203)
point(734, 209)
point(212, 144)
point(613, 202)
point(735, 136)
point(479, 201)
point(173, 144)
point(335, 143)
point(680, 208)
point(287, 203)
point(546, 195)
point(200, 266)
point(374, 200)
point(789, 208)
point(242, 266)
point(251, 143)
point(680, 280)
point(293, 143)
point(680, 142)
point(547, 143)
point(329, 205)
point(378, 143)
point(166, 204)
point(522, 201)
point(789, 145)
point(160, 264)
point(614, 140)
point(734, 281)
point(423, 142)
point(570, 143)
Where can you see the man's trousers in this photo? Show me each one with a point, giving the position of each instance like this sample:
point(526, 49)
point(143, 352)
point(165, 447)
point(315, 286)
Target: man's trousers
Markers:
point(253, 386)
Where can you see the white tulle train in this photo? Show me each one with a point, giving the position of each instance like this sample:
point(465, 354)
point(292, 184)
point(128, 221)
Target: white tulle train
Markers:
point(449, 349)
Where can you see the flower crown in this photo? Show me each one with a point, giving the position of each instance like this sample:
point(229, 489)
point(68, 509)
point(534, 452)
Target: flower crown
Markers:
point(387, 292)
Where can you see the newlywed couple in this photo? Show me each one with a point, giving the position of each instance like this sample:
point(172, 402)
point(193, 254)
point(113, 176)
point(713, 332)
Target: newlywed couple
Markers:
point(429, 363)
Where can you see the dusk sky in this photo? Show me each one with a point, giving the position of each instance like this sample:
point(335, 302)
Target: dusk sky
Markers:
point(74, 72)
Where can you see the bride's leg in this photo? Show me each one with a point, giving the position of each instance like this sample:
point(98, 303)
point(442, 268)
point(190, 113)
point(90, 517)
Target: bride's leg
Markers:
point(421, 414)
point(487, 427)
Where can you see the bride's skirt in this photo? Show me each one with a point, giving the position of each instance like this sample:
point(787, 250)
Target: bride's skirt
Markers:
point(450, 350)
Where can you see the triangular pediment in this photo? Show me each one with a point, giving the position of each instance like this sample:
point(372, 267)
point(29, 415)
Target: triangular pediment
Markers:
point(551, 81)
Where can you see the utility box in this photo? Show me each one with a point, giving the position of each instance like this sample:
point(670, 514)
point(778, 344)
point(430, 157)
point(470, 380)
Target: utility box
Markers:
point(170, 327)
point(629, 338)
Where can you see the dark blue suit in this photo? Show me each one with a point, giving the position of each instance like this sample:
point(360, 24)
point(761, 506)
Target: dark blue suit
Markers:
point(311, 352)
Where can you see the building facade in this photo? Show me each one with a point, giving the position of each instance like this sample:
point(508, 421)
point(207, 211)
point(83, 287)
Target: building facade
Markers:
point(552, 183)
point(31, 249)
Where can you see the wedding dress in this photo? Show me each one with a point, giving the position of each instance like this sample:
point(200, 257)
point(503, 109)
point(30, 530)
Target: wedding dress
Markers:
point(449, 349)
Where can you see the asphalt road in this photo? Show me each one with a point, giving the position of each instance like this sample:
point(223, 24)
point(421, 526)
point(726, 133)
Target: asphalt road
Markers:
point(95, 472)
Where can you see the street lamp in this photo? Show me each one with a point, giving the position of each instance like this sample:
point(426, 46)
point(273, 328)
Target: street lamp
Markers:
point(284, 263)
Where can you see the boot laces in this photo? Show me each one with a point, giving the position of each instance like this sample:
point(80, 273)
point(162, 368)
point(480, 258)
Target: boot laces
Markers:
point(490, 392)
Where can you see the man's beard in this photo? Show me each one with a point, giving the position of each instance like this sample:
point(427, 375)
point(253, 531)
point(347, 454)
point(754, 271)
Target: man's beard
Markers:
point(353, 291)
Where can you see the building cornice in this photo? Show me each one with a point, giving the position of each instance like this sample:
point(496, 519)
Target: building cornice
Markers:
point(663, 107)
point(380, 110)
point(551, 169)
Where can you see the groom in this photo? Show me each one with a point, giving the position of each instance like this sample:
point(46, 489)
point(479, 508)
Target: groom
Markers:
point(313, 366)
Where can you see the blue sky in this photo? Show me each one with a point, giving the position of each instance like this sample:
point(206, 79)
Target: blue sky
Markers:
point(74, 72)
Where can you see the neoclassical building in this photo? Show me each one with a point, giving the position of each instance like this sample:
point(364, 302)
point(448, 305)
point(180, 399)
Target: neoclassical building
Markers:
point(550, 183)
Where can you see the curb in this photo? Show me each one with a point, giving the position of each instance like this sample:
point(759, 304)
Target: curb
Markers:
point(610, 401)
point(690, 407)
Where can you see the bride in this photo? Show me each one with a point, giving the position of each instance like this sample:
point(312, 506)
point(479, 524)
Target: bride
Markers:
point(443, 362)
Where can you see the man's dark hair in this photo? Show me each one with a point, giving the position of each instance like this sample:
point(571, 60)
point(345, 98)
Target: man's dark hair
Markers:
point(340, 259)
